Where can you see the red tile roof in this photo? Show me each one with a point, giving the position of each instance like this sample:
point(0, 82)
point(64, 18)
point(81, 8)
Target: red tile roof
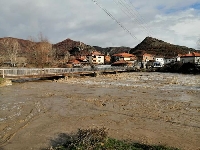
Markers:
point(74, 62)
point(193, 54)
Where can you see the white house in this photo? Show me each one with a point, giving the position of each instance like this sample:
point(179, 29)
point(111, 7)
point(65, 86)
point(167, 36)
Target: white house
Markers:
point(159, 62)
point(96, 58)
point(169, 60)
point(191, 58)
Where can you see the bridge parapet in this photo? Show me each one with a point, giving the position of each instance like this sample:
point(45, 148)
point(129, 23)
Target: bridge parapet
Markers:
point(15, 72)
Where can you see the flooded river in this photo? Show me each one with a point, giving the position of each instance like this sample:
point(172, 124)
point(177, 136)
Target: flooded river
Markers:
point(152, 108)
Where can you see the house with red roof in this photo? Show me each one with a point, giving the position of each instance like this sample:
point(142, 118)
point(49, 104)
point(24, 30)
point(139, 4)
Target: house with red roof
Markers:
point(125, 56)
point(96, 58)
point(147, 57)
point(74, 63)
point(145, 60)
point(193, 57)
point(123, 59)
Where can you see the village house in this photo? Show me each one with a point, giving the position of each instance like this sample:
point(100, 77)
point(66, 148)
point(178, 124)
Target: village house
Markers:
point(74, 63)
point(96, 58)
point(168, 60)
point(178, 58)
point(159, 61)
point(191, 58)
point(147, 57)
point(107, 59)
point(124, 56)
point(145, 60)
point(124, 59)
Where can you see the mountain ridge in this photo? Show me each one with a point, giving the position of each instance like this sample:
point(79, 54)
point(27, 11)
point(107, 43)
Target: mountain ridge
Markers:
point(149, 45)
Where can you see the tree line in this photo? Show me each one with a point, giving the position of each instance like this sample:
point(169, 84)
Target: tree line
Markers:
point(34, 52)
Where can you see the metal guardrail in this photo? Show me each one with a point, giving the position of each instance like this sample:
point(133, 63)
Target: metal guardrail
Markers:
point(52, 71)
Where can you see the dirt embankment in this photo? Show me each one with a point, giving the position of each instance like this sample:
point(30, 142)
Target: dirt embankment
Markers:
point(151, 108)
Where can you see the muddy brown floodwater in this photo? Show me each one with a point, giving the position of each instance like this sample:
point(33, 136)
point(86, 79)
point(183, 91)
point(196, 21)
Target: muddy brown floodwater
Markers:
point(152, 108)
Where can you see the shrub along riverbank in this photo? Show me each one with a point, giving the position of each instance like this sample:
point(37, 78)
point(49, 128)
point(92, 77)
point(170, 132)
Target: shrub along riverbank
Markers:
point(97, 139)
point(5, 82)
point(187, 68)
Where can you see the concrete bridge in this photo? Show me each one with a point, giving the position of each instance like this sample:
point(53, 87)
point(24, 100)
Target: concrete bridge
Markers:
point(50, 72)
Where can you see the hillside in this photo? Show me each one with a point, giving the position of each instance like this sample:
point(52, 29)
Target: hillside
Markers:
point(73, 47)
point(22, 45)
point(159, 47)
point(18, 51)
point(112, 50)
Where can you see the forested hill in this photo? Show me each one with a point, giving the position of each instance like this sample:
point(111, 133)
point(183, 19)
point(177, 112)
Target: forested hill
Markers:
point(159, 47)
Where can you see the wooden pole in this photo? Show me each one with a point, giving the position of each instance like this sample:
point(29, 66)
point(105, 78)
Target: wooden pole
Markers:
point(3, 74)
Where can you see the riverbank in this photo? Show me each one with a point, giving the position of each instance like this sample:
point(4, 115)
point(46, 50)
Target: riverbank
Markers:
point(150, 108)
point(5, 82)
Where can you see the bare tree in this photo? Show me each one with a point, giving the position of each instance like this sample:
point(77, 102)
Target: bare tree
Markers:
point(11, 49)
point(42, 38)
point(41, 52)
point(67, 57)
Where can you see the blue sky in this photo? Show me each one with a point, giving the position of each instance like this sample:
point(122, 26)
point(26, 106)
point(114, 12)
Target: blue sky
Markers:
point(176, 22)
point(196, 6)
point(173, 10)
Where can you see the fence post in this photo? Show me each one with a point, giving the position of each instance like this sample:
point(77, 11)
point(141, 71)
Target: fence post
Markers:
point(3, 74)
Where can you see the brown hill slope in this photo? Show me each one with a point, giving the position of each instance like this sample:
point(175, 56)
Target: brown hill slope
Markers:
point(159, 47)
point(23, 46)
point(73, 47)
point(112, 50)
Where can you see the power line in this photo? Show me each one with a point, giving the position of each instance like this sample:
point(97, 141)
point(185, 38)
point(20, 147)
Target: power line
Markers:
point(126, 8)
point(112, 17)
point(139, 15)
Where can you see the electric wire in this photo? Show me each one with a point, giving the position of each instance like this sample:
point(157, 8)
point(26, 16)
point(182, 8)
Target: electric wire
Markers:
point(132, 15)
point(139, 15)
point(118, 22)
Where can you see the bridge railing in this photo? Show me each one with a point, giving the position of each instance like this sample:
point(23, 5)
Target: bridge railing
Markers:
point(55, 71)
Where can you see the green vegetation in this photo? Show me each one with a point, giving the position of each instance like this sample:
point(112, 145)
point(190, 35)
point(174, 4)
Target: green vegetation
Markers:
point(97, 139)
point(1, 80)
point(188, 68)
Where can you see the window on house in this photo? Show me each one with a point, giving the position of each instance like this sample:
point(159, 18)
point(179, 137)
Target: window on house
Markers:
point(99, 57)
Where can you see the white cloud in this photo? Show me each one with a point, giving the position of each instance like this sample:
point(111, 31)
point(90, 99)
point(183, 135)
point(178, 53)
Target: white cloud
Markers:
point(171, 21)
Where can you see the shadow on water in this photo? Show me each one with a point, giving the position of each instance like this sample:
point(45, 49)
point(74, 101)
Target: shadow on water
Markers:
point(25, 80)
point(60, 140)
point(97, 139)
point(36, 79)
